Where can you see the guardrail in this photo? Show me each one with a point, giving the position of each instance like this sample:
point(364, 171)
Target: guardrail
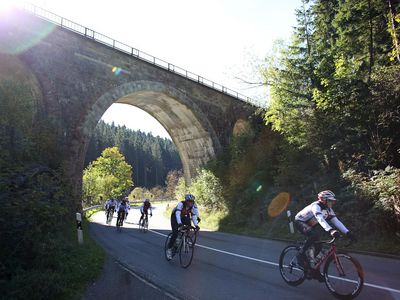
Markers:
point(105, 40)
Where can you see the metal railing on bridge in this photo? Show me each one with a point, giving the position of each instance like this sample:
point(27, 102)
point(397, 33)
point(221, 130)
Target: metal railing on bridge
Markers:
point(103, 39)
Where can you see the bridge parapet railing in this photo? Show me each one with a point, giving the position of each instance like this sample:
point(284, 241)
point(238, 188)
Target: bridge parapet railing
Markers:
point(103, 39)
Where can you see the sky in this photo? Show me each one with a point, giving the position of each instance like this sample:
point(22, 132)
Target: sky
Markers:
point(220, 40)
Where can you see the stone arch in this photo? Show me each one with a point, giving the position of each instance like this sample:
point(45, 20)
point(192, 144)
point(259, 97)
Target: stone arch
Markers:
point(187, 125)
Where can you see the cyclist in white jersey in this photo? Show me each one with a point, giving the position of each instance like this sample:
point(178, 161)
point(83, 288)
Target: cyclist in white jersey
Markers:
point(318, 212)
point(185, 212)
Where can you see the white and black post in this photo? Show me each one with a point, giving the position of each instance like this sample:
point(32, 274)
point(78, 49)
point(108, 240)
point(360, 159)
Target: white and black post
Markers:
point(79, 228)
point(291, 229)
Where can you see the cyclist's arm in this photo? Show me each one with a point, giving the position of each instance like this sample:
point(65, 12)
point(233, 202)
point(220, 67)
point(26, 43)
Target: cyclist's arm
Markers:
point(194, 219)
point(178, 212)
point(316, 210)
point(195, 210)
point(339, 225)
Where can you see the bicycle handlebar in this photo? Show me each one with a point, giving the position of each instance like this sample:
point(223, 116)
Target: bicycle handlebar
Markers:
point(187, 228)
point(334, 239)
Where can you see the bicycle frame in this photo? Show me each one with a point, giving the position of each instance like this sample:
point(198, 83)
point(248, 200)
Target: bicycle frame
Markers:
point(186, 232)
point(331, 251)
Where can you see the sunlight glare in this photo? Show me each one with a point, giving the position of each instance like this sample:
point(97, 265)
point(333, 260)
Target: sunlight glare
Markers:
point(6, 5)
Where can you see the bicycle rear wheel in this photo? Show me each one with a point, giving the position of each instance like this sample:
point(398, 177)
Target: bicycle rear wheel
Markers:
point(344, 276)
point(140, 225)
point(186, 252)
point(120, 222)
point(291, 272)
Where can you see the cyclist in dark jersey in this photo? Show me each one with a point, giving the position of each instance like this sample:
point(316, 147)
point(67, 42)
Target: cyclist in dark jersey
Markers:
point(144, 209)
point(122, 210)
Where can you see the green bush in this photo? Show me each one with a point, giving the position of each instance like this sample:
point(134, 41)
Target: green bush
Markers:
point(382, 189)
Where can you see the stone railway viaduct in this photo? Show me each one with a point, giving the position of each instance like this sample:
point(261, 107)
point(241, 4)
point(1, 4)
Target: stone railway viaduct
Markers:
point(79, 73)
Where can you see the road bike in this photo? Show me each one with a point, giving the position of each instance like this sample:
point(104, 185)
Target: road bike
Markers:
point(120, 220)
point(144, 224)
point(184, 244)
point(343, 274)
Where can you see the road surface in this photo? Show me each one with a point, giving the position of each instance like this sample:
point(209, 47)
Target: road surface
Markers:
point(225, 266)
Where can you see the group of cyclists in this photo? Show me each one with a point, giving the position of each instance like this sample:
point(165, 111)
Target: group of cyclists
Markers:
point(319, 212)
point(122, 208)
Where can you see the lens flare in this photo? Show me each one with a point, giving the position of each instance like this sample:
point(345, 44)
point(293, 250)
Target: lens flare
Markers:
point(259, 188)
point(20, 31)
point(7, 5)
point(278, 204)
point(116, 71)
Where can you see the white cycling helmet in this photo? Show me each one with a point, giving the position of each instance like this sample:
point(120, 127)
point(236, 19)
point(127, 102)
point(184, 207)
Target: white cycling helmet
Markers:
point(327, 195)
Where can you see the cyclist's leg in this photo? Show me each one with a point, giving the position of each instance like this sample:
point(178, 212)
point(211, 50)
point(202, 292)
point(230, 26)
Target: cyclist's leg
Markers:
point(123, 213)
point(118, 215)
point(174, 225)
point(308, 231)
point(141, 218)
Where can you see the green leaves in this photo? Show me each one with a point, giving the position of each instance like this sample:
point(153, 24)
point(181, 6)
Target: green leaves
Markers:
point(108, 176)
point(324, 87)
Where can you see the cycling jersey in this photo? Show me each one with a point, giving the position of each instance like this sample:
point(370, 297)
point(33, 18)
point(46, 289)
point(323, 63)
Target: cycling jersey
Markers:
point(123, 207)
point(110, 204)
point(182, 210)
point(316, 213)
point(145, 207)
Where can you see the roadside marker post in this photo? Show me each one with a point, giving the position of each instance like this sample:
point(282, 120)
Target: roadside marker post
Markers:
point(79, 228)
point(291, 229)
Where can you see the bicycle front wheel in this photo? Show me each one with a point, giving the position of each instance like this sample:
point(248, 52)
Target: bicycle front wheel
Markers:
point(186, 252)
point(291, 272)
point(344, 276)
point(166, 246)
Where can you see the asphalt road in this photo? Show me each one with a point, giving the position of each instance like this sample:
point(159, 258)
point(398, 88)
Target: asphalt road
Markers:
point(225, 266)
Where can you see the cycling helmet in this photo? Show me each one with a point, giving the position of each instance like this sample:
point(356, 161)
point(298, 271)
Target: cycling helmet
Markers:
point(189, 197)
point(327, 195)
point(146, 200)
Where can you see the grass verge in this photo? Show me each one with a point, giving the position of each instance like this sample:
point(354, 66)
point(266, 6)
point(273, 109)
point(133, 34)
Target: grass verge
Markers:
point(63, 270)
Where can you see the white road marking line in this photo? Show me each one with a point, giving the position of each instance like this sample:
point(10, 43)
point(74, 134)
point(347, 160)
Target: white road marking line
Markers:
point(275, 264)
